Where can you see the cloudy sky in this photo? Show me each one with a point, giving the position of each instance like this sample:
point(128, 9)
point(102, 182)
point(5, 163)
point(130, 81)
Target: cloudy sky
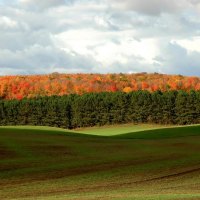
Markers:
point(99, 36)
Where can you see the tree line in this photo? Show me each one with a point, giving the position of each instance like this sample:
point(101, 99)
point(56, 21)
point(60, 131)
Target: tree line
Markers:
point(31, 86)
point(106, 108)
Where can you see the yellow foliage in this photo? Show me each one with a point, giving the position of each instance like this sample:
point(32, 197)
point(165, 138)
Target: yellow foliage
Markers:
point(127, 89)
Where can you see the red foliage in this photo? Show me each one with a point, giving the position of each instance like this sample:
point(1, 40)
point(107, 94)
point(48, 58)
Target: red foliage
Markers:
point(19, 97)
point(145, 85)
point(113, 88)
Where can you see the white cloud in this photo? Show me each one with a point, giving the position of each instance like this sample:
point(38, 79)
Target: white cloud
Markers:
point(7, 23)
point(191, 45)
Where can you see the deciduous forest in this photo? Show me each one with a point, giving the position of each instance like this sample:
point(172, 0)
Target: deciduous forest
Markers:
point(18, 87)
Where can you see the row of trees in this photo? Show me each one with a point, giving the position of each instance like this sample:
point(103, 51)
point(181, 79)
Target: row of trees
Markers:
point(19, 87)
point(72, 111)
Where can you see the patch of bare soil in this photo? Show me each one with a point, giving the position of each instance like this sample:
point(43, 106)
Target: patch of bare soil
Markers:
point(51, 150)
point(6, 153)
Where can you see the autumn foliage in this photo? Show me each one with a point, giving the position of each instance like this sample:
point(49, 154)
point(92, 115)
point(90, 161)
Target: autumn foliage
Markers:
point(18, 87)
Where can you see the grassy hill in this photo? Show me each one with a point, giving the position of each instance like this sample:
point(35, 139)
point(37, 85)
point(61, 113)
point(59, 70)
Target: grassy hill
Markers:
point(119, 129)
point(47, 163)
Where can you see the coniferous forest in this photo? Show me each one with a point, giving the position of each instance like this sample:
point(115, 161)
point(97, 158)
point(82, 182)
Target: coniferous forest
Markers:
point(106, 108)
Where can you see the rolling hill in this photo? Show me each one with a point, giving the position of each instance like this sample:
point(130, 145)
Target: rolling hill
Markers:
point(48, 163)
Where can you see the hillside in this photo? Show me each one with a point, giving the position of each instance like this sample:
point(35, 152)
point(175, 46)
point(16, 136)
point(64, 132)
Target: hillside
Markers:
point(18, 87)
point(48, 163)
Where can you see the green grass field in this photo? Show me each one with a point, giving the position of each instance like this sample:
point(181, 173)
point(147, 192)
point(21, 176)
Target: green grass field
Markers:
point(127, 162)
point(119, 129)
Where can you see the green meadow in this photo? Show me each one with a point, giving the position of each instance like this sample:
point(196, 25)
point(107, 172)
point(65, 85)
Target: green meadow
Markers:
point(115, 162)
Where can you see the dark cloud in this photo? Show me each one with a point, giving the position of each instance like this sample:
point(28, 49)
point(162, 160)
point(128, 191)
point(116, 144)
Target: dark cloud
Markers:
point(41, 4)
point(150, 7)
point(195, 2)
point(40, 59)
point(175, 59)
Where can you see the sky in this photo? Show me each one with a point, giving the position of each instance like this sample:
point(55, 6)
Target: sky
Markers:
point(99, 36)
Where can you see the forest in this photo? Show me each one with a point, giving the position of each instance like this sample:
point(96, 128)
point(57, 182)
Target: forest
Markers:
point(19, 87)
point(105, 108)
